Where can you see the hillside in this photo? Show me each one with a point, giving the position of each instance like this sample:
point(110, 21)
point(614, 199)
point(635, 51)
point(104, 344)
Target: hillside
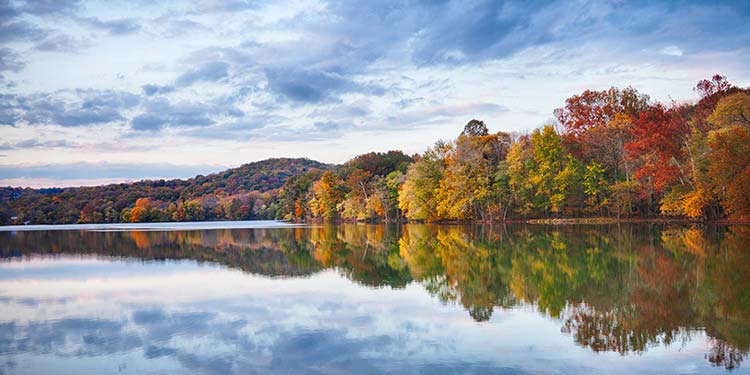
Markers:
point(236, 193)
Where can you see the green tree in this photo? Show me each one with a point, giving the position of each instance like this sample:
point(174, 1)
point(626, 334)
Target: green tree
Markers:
point(548, 154)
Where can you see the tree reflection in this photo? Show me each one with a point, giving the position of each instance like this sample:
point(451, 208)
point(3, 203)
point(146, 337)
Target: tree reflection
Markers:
point(620, 288)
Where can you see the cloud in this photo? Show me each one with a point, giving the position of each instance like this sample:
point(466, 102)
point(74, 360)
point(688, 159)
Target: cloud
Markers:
point(67, 108)
point(148, 122)
point(20, 31)
point(176, 28)
point(312, 86)
point(60, 43)
point(8, 113)
point(208, 72)
point(117, 27)
point(35, 143)
point(160, 112)
point(151, 89)
point(13, 28)
point(327, 127)
point(246, 128)
point(10, 61)
point(49, 7)
point(221, 6)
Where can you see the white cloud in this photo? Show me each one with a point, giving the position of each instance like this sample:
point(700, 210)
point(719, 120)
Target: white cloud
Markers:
point(250, 81)
point(671, 51)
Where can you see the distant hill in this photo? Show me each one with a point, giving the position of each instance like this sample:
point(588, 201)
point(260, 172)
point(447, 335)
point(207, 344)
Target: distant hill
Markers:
point(245, 189)
point(262, 176)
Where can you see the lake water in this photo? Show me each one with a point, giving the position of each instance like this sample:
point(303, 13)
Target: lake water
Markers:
point(267, 298)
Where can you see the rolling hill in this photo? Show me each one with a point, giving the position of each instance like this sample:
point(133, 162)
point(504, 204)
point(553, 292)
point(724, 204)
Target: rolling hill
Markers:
point(239, 193)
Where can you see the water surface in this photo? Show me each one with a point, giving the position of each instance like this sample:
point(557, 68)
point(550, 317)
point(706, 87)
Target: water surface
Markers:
point(372, 299)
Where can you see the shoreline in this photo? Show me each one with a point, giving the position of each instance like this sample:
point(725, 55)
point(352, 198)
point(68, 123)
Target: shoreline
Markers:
point(243, 224)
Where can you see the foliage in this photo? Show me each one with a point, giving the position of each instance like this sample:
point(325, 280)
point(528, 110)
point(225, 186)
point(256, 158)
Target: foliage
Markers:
point(246, 192)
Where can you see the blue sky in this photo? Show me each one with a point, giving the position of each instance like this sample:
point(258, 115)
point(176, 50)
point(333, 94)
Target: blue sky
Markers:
point(95, 92)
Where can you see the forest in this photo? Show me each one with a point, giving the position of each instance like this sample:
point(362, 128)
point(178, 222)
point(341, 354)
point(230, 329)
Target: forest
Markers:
point(614, 153)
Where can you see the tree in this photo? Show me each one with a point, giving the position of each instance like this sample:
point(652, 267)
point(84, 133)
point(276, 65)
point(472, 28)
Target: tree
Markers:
point(140, 213)
point(598, 126)
point(595, 186)
point(731, 110)
point(711, 91)
point(295, 193)
point(519, 163)
point(467, 188)
point(729, 169)
point(548, 154)
point(417, 197)
point(328, 193)
point(393, 182)
point(658, 137)
point(194, 210)
point(475, 128)
point(88, 214)
point(697, 196)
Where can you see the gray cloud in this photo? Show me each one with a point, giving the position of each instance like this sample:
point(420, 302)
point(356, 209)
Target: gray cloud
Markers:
point(88, 107)
point(160, 112)
point(209, 72)
point(151, 89)
point(8, 113)
point(13, 28)
point(60, 43)
point(313, 86)
point(35, 143)
point(20, 31)
point(120, 26)
point(10, 61)
point(148, 122)
point(49, 7)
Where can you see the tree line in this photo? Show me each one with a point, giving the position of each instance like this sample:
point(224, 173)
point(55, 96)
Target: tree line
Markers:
point(248, 192)
point(611, 153)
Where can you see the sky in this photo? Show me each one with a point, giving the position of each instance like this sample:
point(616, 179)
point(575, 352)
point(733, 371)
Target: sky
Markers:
point(98, 92)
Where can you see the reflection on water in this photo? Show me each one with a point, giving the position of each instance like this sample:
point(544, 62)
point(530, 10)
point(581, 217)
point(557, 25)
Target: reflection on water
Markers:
point(362, 298)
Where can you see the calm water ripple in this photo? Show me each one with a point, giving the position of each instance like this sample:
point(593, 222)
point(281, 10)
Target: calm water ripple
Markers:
point(373, 299)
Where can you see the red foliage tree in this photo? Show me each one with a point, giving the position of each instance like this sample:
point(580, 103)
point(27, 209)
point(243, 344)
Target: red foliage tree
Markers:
point(657, 136)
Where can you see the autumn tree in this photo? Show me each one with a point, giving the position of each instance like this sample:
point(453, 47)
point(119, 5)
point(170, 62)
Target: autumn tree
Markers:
point(417, 197)
point(598, 126)
point(548, 159)
point(328, 192)
point(295, 193)
point(729, 168)
point(658, 136)
point(696, 195)
point(140, 212)
point(467, 189)
point(193, 210)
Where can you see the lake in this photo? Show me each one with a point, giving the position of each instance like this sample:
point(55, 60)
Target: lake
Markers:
point(268, 298)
